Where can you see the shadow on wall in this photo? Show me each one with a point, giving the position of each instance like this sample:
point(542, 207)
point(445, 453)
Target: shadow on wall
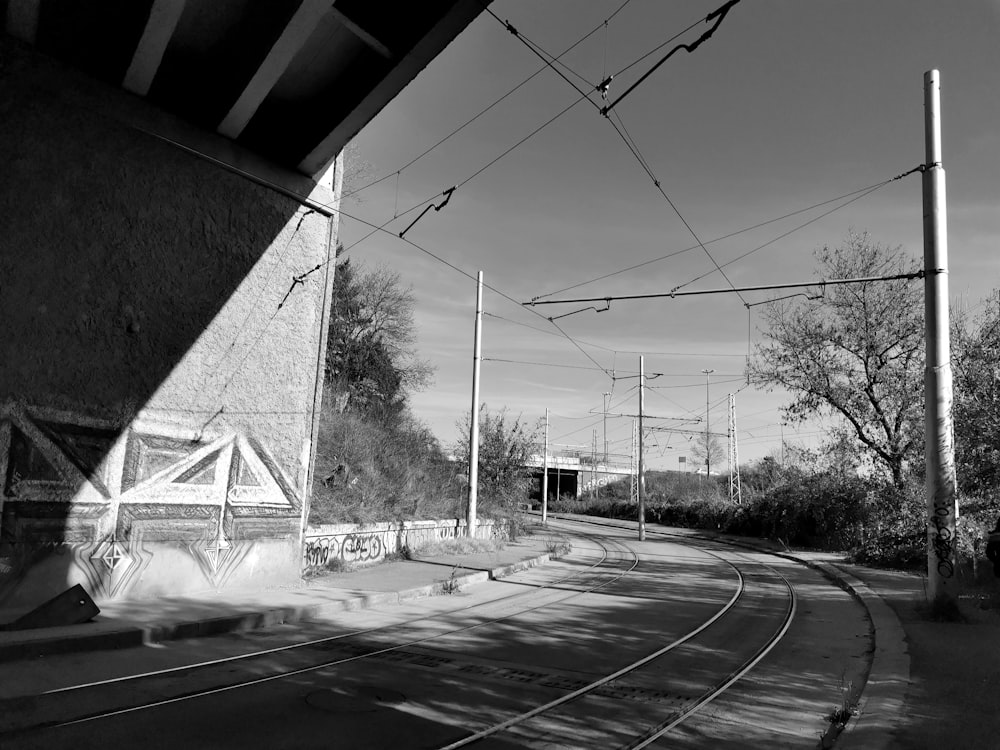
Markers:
point(121, 258)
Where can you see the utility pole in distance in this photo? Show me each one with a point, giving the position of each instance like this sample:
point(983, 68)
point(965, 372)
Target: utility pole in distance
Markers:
point(939, 455)
point(545, 471)
point(642, 466)
point(606, 394)
point(708, 448)
point(470, 527)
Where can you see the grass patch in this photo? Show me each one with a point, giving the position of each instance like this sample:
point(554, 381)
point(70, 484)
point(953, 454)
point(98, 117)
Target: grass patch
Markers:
point(558, 547)
point(336, 565)
point(942, 609)
point(455, 546)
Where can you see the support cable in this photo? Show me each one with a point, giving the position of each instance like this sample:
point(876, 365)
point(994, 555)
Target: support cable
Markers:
point(659, 187)
point(744, 230)
point(764, 287)
point(548, 59)
point(491, 106)
point(718, 15)
point(863, 194)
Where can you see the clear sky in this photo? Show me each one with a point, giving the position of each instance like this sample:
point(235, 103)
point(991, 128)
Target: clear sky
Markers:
point(790, 104)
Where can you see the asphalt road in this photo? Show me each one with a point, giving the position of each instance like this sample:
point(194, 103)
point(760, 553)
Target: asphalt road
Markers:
point(670, 642)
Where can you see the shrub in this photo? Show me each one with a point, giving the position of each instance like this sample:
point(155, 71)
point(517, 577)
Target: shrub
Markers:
point(894, 530)
point(367, 472)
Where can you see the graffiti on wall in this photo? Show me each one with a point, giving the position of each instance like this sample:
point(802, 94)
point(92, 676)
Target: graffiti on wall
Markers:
point(62, 505)
point(356, 547)
point(326, 546)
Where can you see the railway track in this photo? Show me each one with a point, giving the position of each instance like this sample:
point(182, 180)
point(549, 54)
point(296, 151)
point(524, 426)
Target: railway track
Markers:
point(554, 724)
point(128, 694)
point(652, 688)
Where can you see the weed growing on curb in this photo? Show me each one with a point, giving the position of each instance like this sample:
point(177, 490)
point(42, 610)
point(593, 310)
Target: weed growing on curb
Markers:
point(842, 714)
point(451, 585)
point(848, 706)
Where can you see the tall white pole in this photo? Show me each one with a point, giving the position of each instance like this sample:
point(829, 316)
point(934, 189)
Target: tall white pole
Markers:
point(939, 455)
point(708, 447)
point(642, 466)
point(593, 466)
point(606, 394)
point(545, 472)
point(474, 422)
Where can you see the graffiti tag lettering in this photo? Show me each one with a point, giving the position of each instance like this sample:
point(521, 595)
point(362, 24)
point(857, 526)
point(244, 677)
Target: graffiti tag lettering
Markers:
point(361, 548)
point(942, 541)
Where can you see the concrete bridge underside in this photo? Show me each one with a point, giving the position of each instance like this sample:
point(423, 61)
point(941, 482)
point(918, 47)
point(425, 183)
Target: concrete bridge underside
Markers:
point(170, 203)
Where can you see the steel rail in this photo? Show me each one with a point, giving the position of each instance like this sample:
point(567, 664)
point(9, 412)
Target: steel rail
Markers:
point(596, 684)
point(654, 734)
point(327, 639)
point(651, 735)
point(103, 714)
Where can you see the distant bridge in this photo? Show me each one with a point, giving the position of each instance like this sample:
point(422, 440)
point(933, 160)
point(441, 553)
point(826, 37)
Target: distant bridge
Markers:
point(572, 472)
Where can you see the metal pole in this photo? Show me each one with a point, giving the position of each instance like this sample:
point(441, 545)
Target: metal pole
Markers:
point(942, 508)
point(470, 529)
point(642, 467)
point(708, 448)
point(606, 394)
point(545, 472)
point(593, 467)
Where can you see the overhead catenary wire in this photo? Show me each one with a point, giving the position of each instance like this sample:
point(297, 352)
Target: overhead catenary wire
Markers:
point(659, 187)
point(549, 60)
point(763, 287)
point(813, 220)
point(619, 127)
point(593, 345)
point(675, 253)
point(330, 211)
point(718, 15)
point(630, 376)
point(470, 276)
point(492, 105)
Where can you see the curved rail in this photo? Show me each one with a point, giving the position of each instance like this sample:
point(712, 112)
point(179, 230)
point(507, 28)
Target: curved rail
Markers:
point(651, 735)
point(193, 694)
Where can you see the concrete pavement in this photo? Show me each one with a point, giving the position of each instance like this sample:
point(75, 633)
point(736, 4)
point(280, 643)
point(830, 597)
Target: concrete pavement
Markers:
point(895, 709)
point(122, 624)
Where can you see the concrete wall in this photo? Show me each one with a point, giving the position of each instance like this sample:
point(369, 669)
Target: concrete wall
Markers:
point(353, 544)
point(158, 368)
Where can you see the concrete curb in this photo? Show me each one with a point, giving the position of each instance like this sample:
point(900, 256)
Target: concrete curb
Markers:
point(50, 641)
point(881, 706)
point(882, 702)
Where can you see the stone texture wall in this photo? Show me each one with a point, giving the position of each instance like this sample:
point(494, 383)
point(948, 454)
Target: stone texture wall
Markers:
point(158, 366)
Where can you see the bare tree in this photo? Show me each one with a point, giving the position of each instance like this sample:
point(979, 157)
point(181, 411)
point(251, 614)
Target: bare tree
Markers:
point(854, 351)
point(708, 447)
point(371, 351)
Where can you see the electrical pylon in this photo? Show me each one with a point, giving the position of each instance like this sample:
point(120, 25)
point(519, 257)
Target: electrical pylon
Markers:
point(735, 487)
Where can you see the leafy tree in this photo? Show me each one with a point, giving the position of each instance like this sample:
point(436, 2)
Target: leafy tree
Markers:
point(505, 445)
point(854, 351)
point(977, 404)
point(370, 361)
